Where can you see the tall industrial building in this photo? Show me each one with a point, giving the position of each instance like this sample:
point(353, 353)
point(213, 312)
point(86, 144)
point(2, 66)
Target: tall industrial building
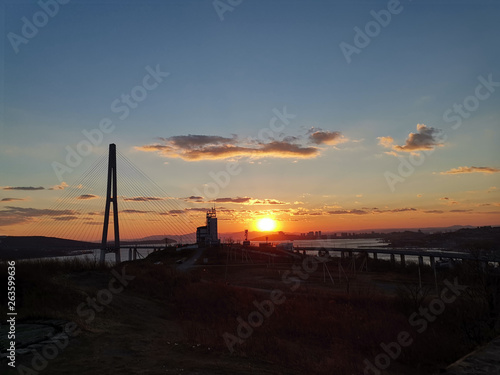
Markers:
point(207, 235)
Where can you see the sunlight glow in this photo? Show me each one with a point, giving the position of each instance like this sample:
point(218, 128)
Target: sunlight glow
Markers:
point(266, 224)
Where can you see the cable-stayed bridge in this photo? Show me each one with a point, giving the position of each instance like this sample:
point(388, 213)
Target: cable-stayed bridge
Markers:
point(114, 202)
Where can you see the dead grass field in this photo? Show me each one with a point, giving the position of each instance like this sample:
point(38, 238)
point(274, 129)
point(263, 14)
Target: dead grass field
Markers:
point(170, 322)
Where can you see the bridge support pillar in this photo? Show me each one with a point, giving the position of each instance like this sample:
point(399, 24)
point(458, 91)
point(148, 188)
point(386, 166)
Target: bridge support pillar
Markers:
point(420, 260)
point(130, 253)
point(402, 260)
point(433, 262)
point(350, 254)
point(375, 256)
point(393, 259)
point(342, 254)
point(111, 198)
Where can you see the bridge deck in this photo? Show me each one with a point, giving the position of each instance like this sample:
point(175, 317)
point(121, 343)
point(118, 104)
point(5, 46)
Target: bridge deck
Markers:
point(437, 253)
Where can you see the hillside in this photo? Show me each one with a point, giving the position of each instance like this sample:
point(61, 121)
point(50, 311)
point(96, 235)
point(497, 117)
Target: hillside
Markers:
point(17, 247)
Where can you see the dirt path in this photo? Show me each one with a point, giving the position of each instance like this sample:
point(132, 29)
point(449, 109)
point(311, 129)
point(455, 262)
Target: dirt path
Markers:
point(485, 360)
point(189, 263)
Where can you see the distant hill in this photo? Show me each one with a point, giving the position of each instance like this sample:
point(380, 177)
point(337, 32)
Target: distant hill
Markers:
point(18, 247)
point(487, 238)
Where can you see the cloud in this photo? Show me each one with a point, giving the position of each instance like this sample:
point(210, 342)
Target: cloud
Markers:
point(400, 210)
point(387, 142)
point(12, 199)
point(461, 170)
point(25, 188)
point(16, 215)
point(135, 212)
point(173, 212)
point(198, 209)
point(59, 187)
point(203, 147)
point(362, 211)
point(87, 196)
point(194, 140)
point(232, 200)
point(195, 199)
point(448, 201)
point(392, 153)
point(434, 212)
point(327, 137)
point(142, 199)
point(426, 138)
point(269, 202)
point(249, 201)
point(348, 212)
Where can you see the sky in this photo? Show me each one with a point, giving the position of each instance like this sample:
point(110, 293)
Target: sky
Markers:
point(322, 115)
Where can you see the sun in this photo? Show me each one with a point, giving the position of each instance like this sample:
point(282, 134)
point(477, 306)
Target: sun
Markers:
point(266, 224)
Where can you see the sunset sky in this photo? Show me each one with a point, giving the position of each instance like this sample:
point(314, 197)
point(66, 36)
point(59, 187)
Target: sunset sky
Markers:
point(324, 115)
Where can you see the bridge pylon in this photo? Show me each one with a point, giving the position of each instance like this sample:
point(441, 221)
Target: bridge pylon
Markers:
point(111, 197)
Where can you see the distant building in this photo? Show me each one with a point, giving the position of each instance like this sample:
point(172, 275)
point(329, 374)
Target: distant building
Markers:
point(207, 235)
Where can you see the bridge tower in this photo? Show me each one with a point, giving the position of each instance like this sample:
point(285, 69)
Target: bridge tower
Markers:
point(111, 197)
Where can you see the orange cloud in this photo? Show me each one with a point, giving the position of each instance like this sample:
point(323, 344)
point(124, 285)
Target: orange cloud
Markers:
point(249, 201)
point(87, 196)
point(327, 138)
point(59, 187)
point(202, 147)
point(426, 138)
point(142, 199)
point(462, 170)
point(387, 142)
point(16, 215)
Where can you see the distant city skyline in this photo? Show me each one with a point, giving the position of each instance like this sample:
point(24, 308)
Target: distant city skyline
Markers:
point(320, 115)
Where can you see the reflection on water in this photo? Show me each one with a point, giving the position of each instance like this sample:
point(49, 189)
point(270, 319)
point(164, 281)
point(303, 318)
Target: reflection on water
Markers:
point(95, 255)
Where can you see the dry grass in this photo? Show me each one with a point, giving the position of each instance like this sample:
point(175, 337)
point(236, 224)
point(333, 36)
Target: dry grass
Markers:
point(313, 331)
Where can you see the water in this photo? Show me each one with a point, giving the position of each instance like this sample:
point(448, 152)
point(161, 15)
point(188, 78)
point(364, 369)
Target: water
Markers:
point(95, 254)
